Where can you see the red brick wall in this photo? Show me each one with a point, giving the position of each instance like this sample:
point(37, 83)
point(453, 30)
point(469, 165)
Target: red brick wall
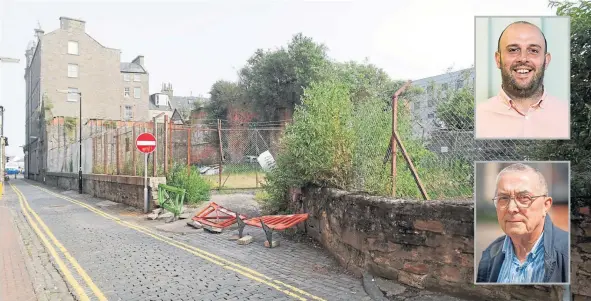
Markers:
point(424, 244)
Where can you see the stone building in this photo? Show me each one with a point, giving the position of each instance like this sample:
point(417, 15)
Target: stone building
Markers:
point(65, 64)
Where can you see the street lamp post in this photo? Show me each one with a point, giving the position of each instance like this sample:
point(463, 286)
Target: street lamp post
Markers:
point(79, 139)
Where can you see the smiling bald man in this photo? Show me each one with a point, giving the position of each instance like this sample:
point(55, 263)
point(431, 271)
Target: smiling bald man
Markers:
point(533, 249)
point(522, 109)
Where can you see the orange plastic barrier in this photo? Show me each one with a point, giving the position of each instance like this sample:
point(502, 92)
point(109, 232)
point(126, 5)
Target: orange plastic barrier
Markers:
point(271, 223)
point(215, 217)
point(277, 222)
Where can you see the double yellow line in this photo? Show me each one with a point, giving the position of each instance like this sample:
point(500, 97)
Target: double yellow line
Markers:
point(35, 222)
point(227, 264)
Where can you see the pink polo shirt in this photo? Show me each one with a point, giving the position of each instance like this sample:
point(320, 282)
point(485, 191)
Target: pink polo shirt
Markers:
point(496, 118)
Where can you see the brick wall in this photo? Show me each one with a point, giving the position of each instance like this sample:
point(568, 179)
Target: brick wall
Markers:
point(422, 244)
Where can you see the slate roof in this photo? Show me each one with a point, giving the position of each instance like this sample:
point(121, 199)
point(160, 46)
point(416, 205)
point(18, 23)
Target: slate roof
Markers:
point(180, 103)
point(132, 68)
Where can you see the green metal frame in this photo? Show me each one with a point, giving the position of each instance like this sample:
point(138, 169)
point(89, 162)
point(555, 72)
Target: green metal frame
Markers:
point(171, 198)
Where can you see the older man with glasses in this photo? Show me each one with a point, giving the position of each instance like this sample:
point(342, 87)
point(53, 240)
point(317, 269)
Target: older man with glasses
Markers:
point(533, 249)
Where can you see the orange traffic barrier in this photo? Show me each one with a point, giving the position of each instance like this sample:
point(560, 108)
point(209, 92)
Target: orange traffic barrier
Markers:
point(270, 223)
point(215, 217)
point(277, 222)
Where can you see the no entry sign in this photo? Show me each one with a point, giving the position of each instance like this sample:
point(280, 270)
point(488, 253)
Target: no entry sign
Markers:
point(145, 143)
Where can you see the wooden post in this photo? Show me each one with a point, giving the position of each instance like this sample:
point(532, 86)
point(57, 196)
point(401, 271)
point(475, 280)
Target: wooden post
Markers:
point(118, 151)
point(155, 153)
point(165, 144)
point(92, 136)
point(105, 148)
point(412, 168)
point(170, 134)
point(189, 150)
point(221, 154)
point(134, 151)
point(394, 130)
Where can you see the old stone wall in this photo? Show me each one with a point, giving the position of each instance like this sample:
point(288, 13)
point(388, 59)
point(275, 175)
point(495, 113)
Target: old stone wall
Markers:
point(581, 255)
point(424, 244)
point(127, 190)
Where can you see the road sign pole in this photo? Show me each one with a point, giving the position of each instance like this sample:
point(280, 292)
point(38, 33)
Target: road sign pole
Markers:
point(146, 183)
point(146, 143)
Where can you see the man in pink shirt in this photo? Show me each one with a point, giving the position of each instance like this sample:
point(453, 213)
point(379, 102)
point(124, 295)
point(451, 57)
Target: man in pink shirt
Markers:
point(523, 109)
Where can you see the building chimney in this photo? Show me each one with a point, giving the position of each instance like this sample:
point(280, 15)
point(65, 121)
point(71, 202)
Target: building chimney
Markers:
point(139, 60)
point(72, 24)
point(39, 33)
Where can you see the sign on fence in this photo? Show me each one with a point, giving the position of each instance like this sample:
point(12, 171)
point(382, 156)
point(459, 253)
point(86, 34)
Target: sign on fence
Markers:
point(266, 161)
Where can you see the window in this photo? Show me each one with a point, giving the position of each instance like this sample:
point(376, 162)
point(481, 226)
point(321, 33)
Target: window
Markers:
point(128, 113)
point(431, 102)
point(137, 92)
point(137, 78)
point(72, 70)
point(430, 115)
point(72, 47)
point(126, 92)
point(73, 94)
point(126, 77)
point(445, 86)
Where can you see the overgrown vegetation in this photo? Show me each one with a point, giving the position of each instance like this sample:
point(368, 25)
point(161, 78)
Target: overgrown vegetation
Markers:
point(198, 189)
point(576, 150)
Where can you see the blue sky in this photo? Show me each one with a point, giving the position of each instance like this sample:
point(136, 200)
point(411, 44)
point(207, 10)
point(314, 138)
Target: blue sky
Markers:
point(192, 44)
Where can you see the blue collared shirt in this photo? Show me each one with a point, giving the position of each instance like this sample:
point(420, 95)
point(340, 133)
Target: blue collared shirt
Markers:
point(532, 269)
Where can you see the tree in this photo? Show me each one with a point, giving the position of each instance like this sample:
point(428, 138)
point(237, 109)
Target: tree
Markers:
point(274, 80)
point(223, 95)
point(577, 148)
point(455, 106)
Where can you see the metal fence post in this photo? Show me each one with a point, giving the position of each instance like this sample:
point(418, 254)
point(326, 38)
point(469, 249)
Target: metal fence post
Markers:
point(133, 153)
point(155, 153)
point(221, 154)
point(165, 145)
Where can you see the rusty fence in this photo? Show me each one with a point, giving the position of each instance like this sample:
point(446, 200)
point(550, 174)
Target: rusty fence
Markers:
point(434, 148)
point(225, 154)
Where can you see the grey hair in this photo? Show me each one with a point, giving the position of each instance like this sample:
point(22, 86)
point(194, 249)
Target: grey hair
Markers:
point(520, 167)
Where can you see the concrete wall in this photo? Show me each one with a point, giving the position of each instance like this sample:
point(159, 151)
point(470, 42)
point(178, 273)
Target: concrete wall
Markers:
point(422, 244)
point(121, 189)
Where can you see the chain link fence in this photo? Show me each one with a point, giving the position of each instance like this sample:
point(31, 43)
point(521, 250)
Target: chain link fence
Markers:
point(435, 121)
point(108, 147)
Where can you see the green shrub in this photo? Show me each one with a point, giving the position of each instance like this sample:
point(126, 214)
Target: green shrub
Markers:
point(318, 147)
point(198, 189)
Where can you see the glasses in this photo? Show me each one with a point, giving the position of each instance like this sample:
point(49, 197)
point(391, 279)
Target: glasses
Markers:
point(522, 201)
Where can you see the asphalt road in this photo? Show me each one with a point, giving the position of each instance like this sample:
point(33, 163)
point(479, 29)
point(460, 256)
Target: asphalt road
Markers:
point(104, 254)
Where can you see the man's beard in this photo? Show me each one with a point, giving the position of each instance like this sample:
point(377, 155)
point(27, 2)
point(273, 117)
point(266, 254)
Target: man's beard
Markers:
point(514, 89)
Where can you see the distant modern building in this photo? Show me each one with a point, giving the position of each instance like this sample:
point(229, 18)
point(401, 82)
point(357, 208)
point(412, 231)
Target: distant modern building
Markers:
point(68, 61)
point(178, 108)
point(424, 107)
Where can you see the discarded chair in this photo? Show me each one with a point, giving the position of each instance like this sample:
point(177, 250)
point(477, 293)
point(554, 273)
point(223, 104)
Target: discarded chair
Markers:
point(271, 223)
point(215, 218)
point(172, 199)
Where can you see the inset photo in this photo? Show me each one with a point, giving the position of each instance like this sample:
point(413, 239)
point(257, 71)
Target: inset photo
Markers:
point(522, 222)
point(522, 78)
